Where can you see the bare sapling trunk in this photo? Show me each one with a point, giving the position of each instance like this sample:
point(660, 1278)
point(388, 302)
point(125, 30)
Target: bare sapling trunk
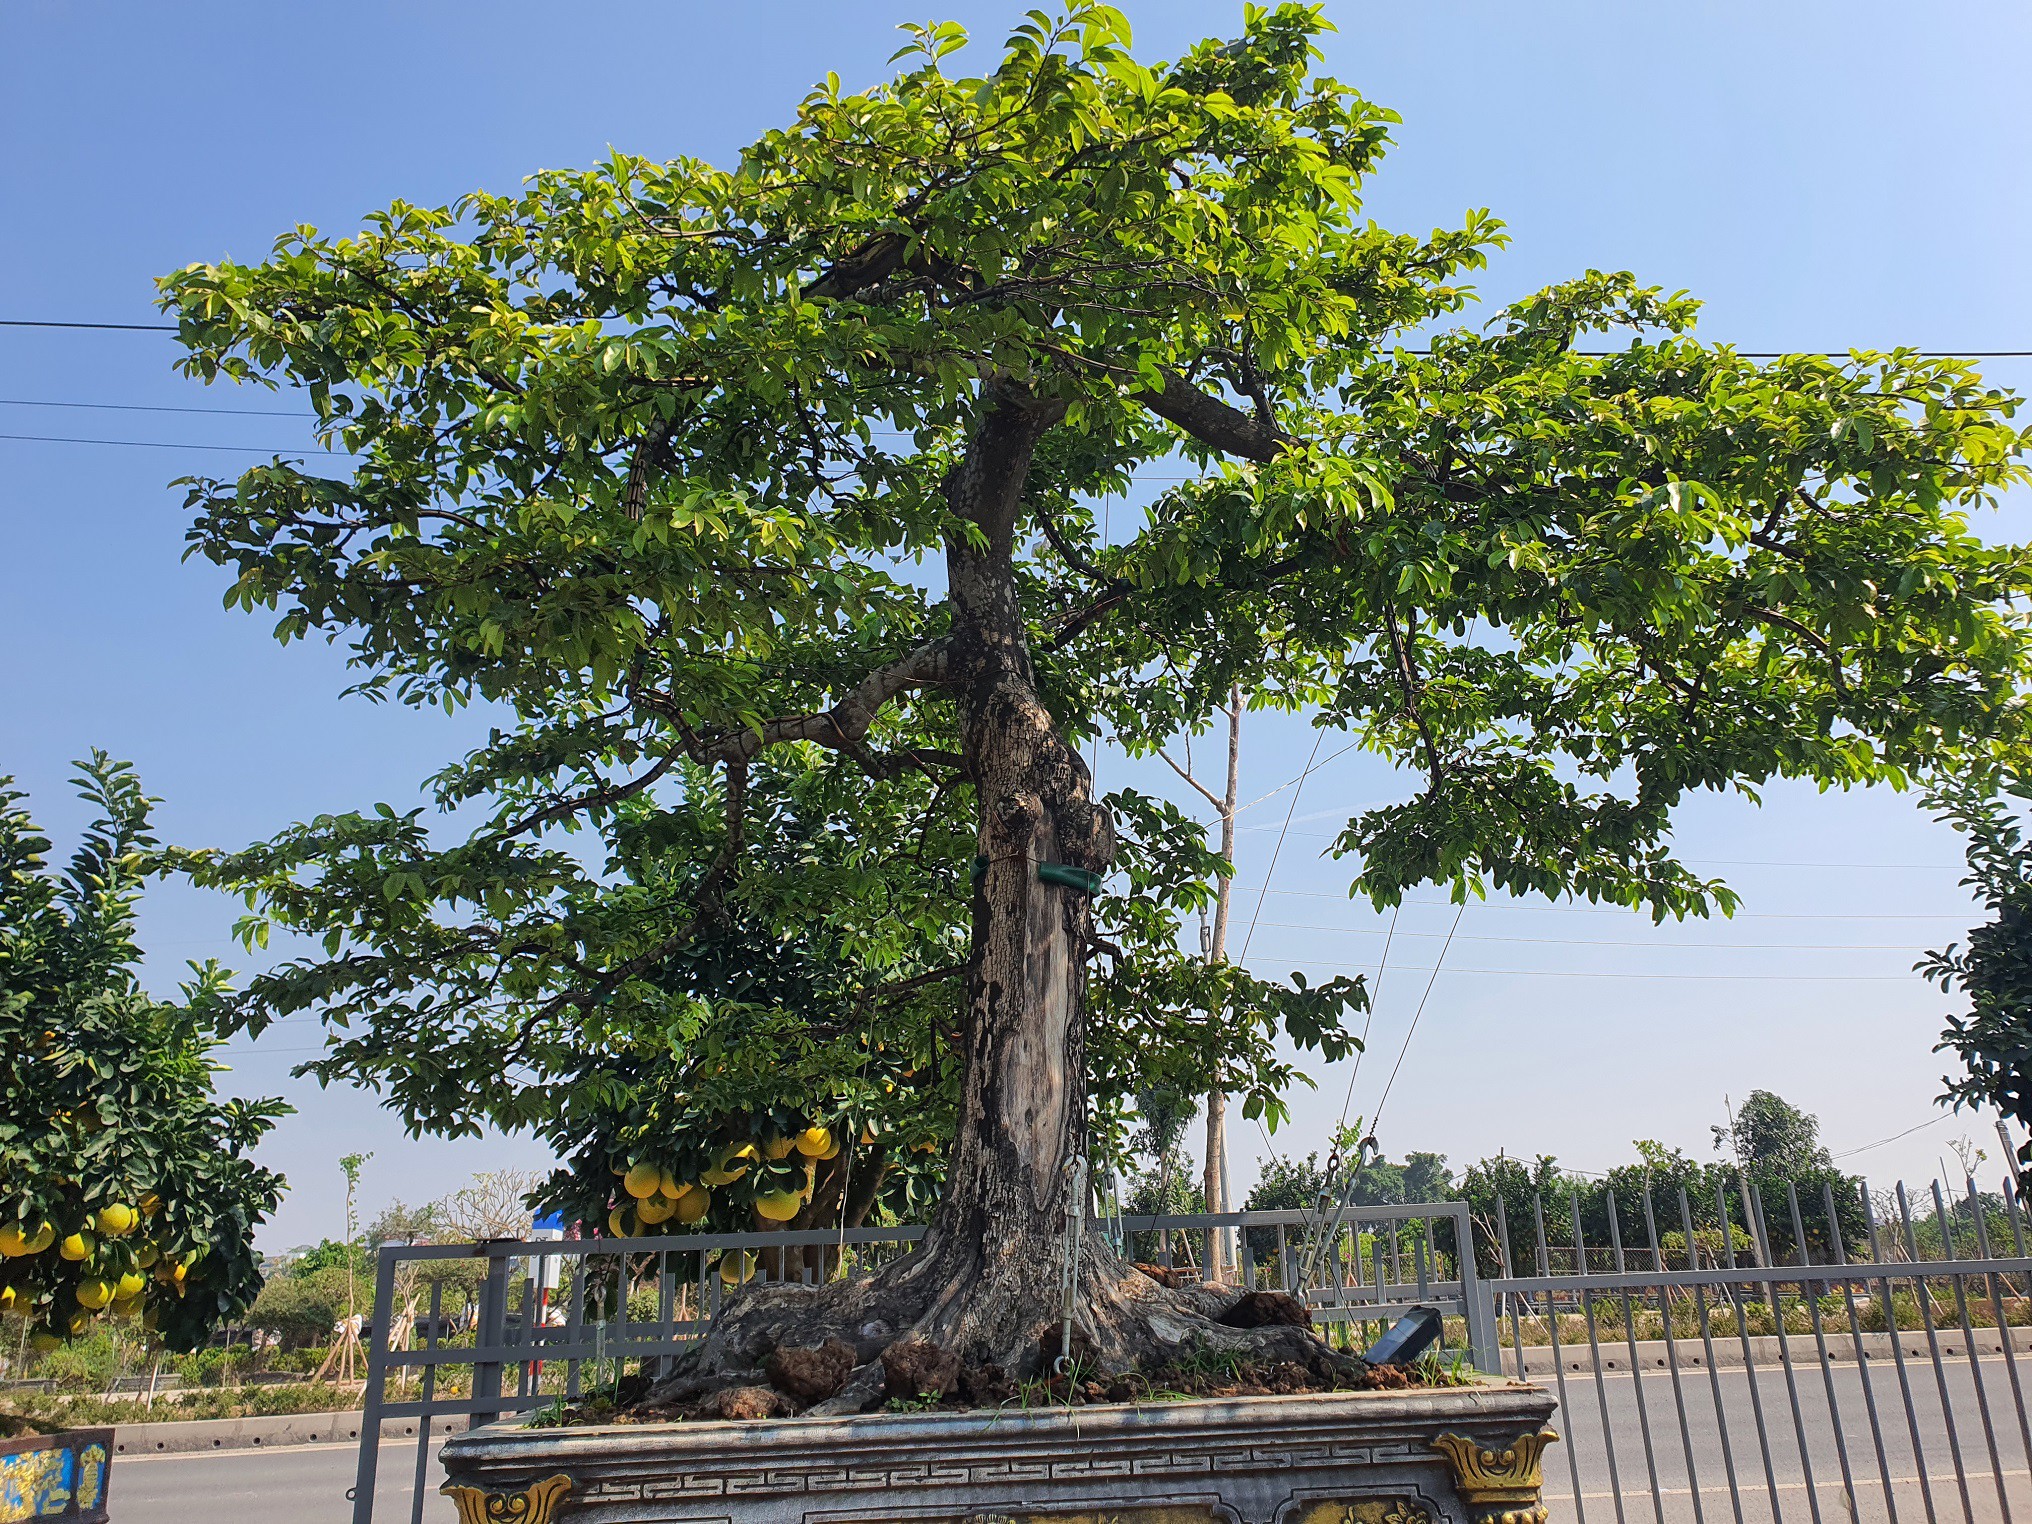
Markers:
point(986, 1282)
point(1216, 1182)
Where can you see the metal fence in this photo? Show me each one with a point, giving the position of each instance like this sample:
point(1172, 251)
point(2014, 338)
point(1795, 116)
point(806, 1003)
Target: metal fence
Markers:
point(560, 1320)
point(1733, 1360)
point(1769, 1372)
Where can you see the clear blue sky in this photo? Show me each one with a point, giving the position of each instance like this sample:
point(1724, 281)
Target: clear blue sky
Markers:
point(1822, 174)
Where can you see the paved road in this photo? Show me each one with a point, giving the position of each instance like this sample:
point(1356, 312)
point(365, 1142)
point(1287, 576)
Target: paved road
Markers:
point(307, 1484)
point(1833, 1430)
point(304, 1484)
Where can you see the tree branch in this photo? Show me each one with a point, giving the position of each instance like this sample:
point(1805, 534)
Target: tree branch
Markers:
point(1408, 679)
point(842, 727)
point(1213, 422)
point(1210, 797)
point(613, 793)
point(1834, 667)
point(1071, 554)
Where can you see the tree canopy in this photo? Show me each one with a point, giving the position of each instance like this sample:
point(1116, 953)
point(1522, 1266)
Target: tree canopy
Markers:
point(652, 457)
point(1993, 969)
point(125, 1189)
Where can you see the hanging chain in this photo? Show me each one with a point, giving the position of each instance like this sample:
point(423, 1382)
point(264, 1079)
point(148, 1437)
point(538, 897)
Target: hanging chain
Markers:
point(1068, 1276)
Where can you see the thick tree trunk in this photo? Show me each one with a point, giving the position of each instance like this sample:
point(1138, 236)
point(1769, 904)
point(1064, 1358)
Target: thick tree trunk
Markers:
point(987, 1280)
point(996, 1252)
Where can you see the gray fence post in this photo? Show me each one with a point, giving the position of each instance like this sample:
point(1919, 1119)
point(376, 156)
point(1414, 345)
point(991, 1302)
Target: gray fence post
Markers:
point(493, 1328)
point(378, 1318)
point(1476, 1303)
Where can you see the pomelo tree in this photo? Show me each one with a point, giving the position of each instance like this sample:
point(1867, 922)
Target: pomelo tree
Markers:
point(125, 1190)
point(704, 472)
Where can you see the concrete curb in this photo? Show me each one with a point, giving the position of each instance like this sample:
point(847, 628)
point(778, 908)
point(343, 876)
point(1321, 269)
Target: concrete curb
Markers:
point(270, 1433)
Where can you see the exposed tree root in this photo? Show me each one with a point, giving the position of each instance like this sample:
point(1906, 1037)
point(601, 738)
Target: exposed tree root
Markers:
point(925, 1326)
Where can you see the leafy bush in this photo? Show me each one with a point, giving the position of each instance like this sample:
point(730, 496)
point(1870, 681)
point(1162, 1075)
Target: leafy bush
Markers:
point(300, 1308)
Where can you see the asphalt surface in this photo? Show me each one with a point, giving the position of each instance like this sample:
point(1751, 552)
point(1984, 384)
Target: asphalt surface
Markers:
point(307, 1484)
point(304, 1484)
point(1774, 1480)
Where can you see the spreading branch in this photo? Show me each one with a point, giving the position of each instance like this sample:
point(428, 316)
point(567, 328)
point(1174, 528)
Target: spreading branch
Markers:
point(1216, 424)
point(843, 727)
point(1407, 679)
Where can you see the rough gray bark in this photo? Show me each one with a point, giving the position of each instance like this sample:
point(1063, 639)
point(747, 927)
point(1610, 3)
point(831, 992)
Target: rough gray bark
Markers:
point(985, 1281)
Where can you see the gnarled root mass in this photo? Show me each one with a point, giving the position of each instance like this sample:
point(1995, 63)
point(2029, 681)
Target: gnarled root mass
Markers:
point(945, 1326)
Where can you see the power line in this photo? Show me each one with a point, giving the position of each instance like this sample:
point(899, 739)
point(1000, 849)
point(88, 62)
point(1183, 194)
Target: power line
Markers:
point(1602, 973)
point(1278, 850)
point(1372, 931)
point(158, 444)
point(1420, 349)
point(123, 327)
point(1933, 1122)
point(1410, 1031)
point(1624, 910)
point(148, 407)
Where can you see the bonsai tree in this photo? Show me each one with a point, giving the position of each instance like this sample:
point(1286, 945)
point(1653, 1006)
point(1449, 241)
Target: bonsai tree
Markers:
point(693, 472)
point(125, 1190)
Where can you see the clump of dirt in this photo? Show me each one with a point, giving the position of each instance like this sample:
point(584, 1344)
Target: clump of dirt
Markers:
point(919, 1369)
point(1266, 1309)
point(812, 1375)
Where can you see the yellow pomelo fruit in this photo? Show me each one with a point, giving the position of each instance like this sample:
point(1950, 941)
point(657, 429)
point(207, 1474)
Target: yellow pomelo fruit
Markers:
point(736, 1268)
point(642, 1180)
point(150, 1319)
point(42, 1341)
point(775, 1146)
point(656, 1209)
point(117, 1219)
point(731, 1165)
point(124, 1307)
point(180, 1270)
point(926, 1147)
point(14, 1239)
point(150, 1204)
point(780, 1206)
point(694, 1204)
point(147, 1255)
point(129, 1286)
point(670, 1186)
point(867, 1137)
point(78, 1246)
point(814, 1141)
point(94, 1294)
point(80, 1321)
point(8, 1297)
point(44, 1237)
point(621, 1222)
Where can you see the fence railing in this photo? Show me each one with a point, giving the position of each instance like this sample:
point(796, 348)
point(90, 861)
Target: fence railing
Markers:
point(1701, 1376)
point(561, 1319)
point(1739, 1358)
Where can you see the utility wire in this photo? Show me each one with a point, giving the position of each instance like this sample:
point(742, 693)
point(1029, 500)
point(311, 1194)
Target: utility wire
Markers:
point(147, 407)
point(1278, 851)
point(1369, 1016)
point(1410, 1031)
point(1741, 915)
point(1422, 349)
point(1933, 1122)
point(158, 444)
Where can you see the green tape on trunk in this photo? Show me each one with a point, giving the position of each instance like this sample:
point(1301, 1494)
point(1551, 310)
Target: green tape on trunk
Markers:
point(1070, 877)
